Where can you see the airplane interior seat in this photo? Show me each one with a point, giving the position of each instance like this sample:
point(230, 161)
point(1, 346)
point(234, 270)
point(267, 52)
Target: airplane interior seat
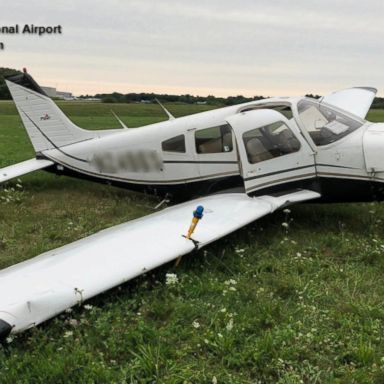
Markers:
point(256, 151)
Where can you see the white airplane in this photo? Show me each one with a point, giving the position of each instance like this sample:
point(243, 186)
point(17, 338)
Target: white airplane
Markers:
point(237, 164)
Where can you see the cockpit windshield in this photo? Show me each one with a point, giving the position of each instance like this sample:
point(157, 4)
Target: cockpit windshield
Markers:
point(324, 124)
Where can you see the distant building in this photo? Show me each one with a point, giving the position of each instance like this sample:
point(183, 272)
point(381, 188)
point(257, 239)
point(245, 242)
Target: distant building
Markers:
point(65, 95)
point(53, 92)
point(50, 91)
point(88, 99)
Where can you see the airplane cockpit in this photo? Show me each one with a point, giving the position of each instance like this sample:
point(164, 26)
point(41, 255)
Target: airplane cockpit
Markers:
point(324, 124)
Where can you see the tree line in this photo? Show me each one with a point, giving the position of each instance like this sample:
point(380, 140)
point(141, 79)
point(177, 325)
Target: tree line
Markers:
point(117, 97)
point(5, 72)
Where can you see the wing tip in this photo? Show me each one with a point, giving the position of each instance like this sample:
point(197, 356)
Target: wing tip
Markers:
point(370, 89)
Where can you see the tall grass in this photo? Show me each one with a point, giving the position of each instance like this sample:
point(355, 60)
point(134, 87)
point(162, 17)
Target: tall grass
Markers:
point(267, 304)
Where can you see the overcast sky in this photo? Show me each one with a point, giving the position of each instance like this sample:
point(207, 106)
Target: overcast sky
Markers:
point(226, 47)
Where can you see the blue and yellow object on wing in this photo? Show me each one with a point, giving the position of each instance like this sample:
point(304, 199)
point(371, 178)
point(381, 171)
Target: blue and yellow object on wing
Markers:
point(197, 215)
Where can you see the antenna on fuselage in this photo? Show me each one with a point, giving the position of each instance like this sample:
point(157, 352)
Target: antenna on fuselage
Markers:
point(170, 116)
point(118, 119)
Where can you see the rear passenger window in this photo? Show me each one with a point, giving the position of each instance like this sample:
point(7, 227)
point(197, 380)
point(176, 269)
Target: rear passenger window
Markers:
point(270, 141)
point(214, 140)
point(175, 144)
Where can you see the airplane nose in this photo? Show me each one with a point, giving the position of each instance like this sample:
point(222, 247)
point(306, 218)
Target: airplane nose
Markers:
point(5, 330)
point(373, 145)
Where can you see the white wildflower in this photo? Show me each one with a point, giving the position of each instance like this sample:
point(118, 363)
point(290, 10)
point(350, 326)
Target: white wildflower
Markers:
point(214, 380)
point(68, 310)
point(223, 310)
point(298, 254)
point(220, 335)
point(237, 250)
point(171, 279)
point(68, 334)
point(287, 211)
point(230, 282)
point(285, 224)
point(9, 339)
point(229, 326)
point(232, 289)
point(73, 322)
point(196, 324)
point(88, 307)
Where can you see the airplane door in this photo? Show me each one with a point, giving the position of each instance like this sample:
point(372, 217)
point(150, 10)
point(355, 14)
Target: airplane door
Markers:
point(272, 150)
point(216, 154)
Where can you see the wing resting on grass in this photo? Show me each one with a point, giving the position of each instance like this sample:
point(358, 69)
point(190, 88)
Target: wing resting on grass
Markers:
point(23, 168)
point(38, 289)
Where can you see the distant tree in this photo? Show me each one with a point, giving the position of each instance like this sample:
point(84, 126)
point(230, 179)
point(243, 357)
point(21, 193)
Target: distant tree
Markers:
point(378, 103)
point(210, 99)
point(313, 96)
point(108, 99)
point(5, 72)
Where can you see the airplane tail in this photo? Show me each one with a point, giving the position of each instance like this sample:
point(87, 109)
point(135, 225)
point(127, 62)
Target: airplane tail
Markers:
point(45, 123)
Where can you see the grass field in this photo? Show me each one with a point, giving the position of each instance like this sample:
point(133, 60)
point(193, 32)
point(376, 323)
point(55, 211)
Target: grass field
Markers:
point(265, 305)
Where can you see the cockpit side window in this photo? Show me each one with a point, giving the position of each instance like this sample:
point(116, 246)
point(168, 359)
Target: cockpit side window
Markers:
point(175, 144)
point(324, 124)
point(214, 140)
point(270, 141)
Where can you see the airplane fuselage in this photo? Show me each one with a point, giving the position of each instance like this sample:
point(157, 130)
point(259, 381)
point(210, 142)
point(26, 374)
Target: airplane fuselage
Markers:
point(206, 152)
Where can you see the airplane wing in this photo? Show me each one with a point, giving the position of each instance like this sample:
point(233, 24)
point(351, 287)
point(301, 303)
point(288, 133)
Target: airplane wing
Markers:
point(46, 285)
point(354, 100)
point(22, 168)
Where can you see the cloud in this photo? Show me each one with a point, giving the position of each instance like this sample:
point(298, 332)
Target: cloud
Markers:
point(243, 47)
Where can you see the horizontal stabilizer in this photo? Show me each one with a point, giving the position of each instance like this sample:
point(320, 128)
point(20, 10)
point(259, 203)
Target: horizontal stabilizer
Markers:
point(40, 288)
point(16, 170)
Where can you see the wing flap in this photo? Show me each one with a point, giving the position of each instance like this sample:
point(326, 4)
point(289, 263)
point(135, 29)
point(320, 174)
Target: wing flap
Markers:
point(17, 170)
point(46, 285)
point(354, 100)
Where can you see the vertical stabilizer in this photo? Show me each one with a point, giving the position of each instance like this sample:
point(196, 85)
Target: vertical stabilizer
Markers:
point(46, 124)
